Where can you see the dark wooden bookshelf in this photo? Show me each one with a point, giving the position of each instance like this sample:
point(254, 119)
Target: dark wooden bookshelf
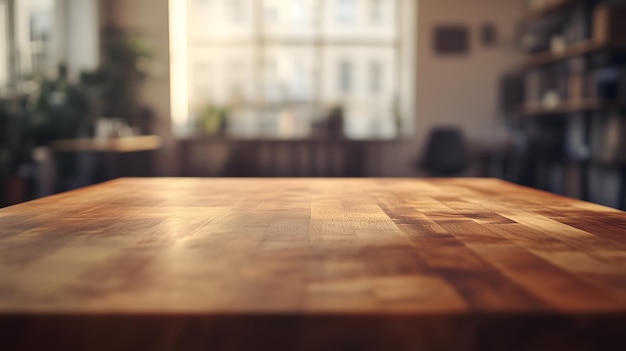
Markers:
point(571, 131)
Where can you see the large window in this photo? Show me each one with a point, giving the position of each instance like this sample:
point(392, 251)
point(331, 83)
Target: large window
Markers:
point(26, 39)
point(34, 22)
point(277, 68)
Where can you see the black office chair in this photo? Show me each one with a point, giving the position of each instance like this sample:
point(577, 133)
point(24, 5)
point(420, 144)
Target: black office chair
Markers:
point(446, 152)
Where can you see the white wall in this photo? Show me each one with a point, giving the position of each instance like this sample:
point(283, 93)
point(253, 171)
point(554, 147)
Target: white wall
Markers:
point(457, 90)
point(150, 18)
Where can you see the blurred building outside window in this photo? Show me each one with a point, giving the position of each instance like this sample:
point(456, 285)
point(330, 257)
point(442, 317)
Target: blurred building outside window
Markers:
point(375, 78)
point(345, 77)
point(376, 10)
point(276, 68)
point(345, 12)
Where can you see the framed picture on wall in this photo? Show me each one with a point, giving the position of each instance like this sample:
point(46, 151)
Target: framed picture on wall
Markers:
point(451, 40)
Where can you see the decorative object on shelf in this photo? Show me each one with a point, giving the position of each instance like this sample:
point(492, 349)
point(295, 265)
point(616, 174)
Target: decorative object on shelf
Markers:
point(613, 142)
point(557, 44)
point(551, 99)
point(575, 83)
point(609, 24)
point(577, 145)
point(113, 128)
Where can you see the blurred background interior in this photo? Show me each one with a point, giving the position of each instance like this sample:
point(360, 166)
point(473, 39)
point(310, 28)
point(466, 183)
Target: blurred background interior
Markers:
point(531, 91)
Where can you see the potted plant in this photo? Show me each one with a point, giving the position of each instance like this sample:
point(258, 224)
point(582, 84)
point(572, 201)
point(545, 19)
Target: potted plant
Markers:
point(61, 109)
point(212, 120)
point(6, 120)
point(15, 144)
point(126, 63)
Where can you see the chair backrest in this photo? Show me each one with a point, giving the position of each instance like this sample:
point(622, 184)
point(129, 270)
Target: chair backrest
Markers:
point(446, 151)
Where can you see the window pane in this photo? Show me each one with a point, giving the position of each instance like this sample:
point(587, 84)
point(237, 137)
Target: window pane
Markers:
point(363, 20)
point(364, 85)
point(237, 11)
point(202, 83)
point(345, 12)
point(220, 76)
point(33, 34)
point(375, 77)
point(289, 18)
point(288, 74)
point(345, 76)
point(40, 23)
point(220, 20)
point(376, 11)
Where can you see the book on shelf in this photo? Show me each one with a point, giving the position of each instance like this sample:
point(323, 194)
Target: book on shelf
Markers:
point(609, 24)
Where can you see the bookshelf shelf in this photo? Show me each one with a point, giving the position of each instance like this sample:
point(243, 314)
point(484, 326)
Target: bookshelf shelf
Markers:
point(574, 50)
point(564, 107)
point(609, 163)
point(547, 9)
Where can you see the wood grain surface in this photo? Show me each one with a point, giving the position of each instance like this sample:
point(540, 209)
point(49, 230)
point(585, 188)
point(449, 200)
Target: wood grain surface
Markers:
point(117, 145)
point(312, 264)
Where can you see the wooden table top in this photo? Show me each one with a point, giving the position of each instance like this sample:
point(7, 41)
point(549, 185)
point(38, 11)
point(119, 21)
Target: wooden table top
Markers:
point(378, 259)
point(116, 145)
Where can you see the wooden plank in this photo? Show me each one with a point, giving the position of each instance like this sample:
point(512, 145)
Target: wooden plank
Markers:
point(119, 145)
point(169, 263)
point(581, 48)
